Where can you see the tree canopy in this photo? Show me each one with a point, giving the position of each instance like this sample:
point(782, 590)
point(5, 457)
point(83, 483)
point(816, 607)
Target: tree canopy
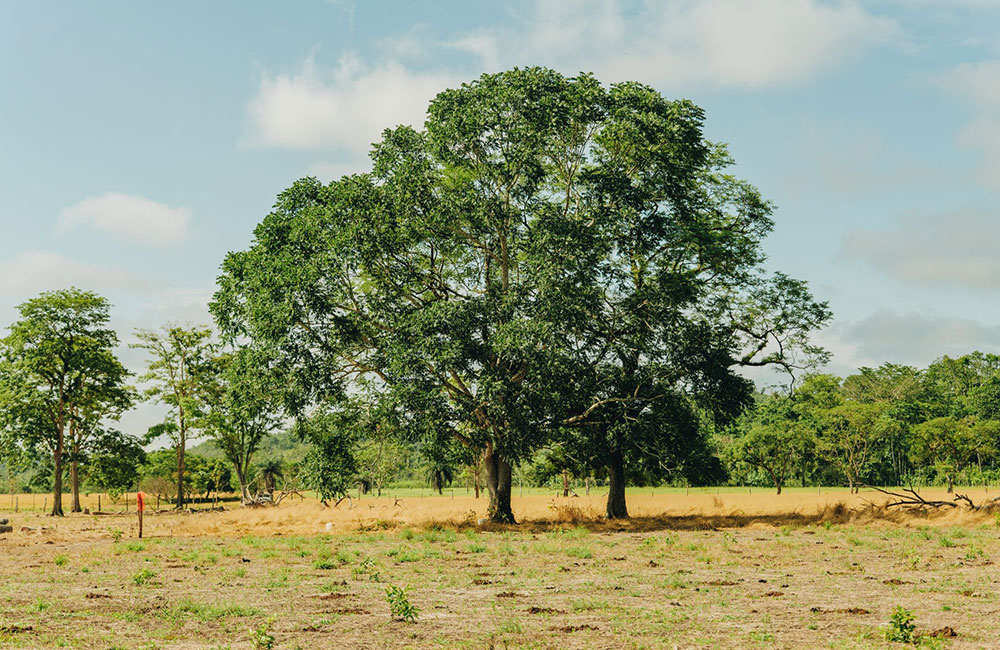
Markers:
point(546, 252)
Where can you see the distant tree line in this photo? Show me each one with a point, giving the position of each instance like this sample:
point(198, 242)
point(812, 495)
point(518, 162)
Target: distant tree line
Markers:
point(890, 425)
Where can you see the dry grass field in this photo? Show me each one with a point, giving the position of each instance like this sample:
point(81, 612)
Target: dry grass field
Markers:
point(712, 569)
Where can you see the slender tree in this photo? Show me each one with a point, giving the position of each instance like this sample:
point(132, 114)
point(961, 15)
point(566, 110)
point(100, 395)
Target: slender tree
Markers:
point(179, 375)
point(60, 372)
point(241, 410)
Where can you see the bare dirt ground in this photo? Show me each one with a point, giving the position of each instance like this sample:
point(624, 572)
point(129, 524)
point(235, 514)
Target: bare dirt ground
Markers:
point(727, 570)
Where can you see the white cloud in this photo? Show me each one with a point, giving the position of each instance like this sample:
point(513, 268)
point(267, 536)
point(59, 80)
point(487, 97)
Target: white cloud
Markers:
point(958, 249)
point(345, 108)
point(131, 218)
point(30, 272)
point(743, 43)
point(978, 84)
point(912, 338)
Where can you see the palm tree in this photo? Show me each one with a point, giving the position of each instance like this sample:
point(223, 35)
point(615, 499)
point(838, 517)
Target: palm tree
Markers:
point(440, 474)
point(270, 471)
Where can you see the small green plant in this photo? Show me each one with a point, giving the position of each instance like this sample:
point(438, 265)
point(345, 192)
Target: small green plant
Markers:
point(143, 577)
point(399, 603)
point(368, 568)
point(60, 560)
point(261, 639)
point(973, 553)
point(901, 628)
point(946, 543)
point(116, 535)
point(324, 565)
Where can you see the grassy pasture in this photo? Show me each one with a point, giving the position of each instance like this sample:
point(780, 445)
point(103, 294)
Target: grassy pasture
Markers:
point(709, 569)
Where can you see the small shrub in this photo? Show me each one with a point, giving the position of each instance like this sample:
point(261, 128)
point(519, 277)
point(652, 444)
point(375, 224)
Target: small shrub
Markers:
point(261, 639)
point(399, 603)
point(60, 560)
point(369, 568)
point(324, 564)
point(116, 535)
point(973, 553)
point(901, 627)
point(143, 577)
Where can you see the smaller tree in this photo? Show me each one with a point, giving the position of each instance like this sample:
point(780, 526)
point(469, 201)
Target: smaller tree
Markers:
point(952, 444)
point(58, 370)
point(768, 440)
point(849, 437)
point(241, 410)
point(179, 375)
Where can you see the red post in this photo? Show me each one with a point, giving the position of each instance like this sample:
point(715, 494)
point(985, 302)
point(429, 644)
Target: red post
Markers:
point(140, 504)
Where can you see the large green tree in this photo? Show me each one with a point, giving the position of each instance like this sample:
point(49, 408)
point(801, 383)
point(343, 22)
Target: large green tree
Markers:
point(545, 253)
point(179, 374)
point(60, 374)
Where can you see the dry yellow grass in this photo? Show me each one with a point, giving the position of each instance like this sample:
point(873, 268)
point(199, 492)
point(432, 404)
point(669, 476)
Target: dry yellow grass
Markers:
point(649, 512)
point(724, 570)
point(697, 510)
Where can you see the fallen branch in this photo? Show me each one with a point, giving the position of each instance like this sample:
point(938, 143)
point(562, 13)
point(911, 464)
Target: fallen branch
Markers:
point(910, 498)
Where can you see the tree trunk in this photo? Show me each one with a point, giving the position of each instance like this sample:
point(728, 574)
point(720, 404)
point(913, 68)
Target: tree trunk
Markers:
point(57, 510)
point(498, 480)
point(565, 478)
point(951, 484)
point(475, 477)
point(777, 485)
point(74, 481)
point(616, 506)
point(180, 472)
point(244, 488)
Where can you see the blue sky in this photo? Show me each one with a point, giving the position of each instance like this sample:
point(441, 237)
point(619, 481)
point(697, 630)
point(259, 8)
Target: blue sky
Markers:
point(139, 142)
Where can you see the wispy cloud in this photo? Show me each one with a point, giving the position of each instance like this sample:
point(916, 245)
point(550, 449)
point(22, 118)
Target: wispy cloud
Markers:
point(343, 108)
point(30, 272)
point(134, 219)
point(911, 337)
point(978, 85)
point(958, 249)
point(733, 43)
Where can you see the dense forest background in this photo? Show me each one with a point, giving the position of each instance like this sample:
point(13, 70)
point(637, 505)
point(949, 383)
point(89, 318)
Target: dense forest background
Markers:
point(884, 426)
